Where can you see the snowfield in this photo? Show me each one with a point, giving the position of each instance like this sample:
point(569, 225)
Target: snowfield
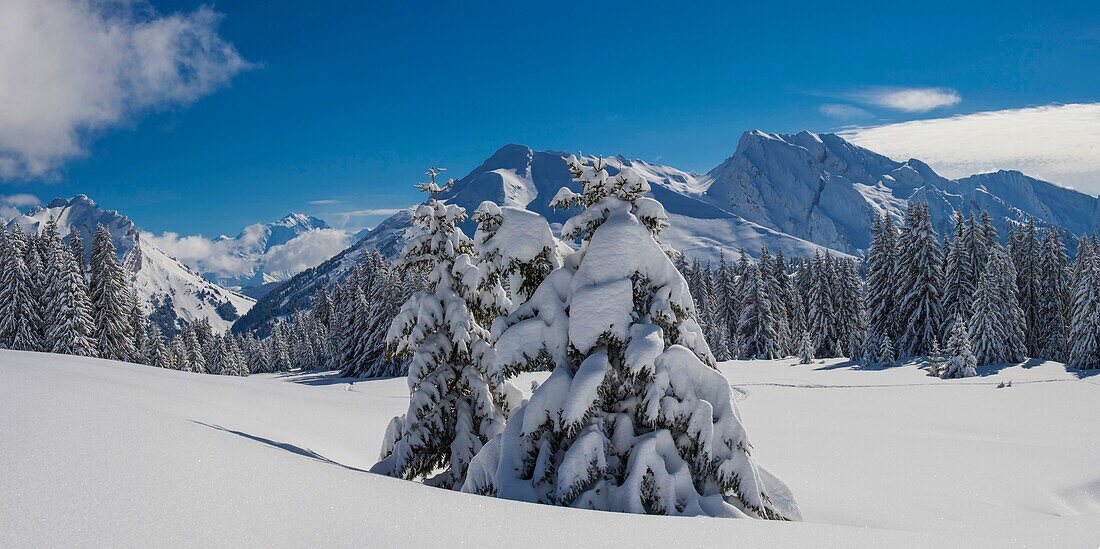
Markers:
point(101, 453)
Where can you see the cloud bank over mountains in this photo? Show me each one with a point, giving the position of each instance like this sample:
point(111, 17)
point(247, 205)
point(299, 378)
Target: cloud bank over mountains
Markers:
point(1058, 143)
point(72, 68)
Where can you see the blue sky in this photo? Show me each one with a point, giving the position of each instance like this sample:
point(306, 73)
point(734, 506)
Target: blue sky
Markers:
point(334, 107)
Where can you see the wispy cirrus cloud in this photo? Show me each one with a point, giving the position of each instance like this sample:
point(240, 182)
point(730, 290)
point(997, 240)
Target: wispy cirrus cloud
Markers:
point(324, 202)
point(911, 100)
point(72, 68)
point(843, 112)
point(1058, 143)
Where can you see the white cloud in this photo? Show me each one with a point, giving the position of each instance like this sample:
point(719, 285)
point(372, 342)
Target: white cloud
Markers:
point(69, 68)
point(219, 257)
point(842, 112)
point(236, 257)
point(11, 205)
point(908, 99)
point(309, 249)
point(1058, 143)
point(324, 202)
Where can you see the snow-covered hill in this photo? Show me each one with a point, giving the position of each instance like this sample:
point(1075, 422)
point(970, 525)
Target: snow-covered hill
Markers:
point(168, 289)
point(827, 190)
point(101, 453)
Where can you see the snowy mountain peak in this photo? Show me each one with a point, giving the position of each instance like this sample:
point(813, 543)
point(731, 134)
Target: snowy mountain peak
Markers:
point(169, 291)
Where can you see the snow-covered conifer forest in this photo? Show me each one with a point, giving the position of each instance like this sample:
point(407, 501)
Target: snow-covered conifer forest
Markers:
point(587, 363)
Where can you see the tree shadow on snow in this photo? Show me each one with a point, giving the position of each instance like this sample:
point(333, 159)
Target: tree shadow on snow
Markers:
point(330, 378)
point(304, 452)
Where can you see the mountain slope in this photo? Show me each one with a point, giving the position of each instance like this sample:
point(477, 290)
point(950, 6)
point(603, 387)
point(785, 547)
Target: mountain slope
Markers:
point(169, 290)
point(826, 190)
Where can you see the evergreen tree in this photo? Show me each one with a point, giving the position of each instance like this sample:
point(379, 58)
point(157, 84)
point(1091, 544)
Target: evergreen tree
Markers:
point(280, 349)
point(757, 327)
point(153, 348)
point(806, 349)
point(71, 330)
point(959, 282)
point(920, 275)
point(1052, 322)
point(194, 359)
point(76, 246)
point(1025, 253)
point(111, 300)
point(886, 355)
point(850, 313)
point(961, 361)
point(632, 373)
point(20, 324)
point(456, 401)
point(177, 354)
point(996, 329)
point(881, 279)
point(822, 317)
point(1084, 352)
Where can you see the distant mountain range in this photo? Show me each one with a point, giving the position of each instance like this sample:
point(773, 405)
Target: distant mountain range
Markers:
point(253, 244)
point(798, 193)
point(171, 291)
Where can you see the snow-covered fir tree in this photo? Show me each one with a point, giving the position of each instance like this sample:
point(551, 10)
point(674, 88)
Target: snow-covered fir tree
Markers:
point(960, 360)
point(996, 327)
point(806, 349)
point(820, 302)
point(959, 283)
point(279, 350)
point(772, 282)
point(71, 330)
point(881, 279)
point(1024, 251)
point(456, 400)
point(194, 359)
point(849, 308)
point(758, 328)
point(20, 323)
point(1084, 336)
point(154, 348)
point(886, 355)
point(111, 299)
point(634, 416)
point(792, 303)
point(515, 250)
point(177, 354)
point(919, 283)
point(1052, 321)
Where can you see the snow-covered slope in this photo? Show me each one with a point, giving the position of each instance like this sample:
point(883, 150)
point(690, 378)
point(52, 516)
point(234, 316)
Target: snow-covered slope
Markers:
point(168, 289)
point(826, 190)
point(100, 453)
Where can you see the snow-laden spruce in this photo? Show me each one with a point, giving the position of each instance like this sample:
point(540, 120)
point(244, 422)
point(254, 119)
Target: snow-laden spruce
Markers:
point(919, 283)
point(997, 327)
point(112, 300)
point(457, 402)
point(960, 360)
point(634, 417)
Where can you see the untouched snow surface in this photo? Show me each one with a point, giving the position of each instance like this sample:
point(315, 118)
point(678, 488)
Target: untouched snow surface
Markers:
point(104, 453)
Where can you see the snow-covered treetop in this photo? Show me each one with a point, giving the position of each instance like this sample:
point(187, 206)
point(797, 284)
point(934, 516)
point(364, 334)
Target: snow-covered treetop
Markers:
point(603, 195)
